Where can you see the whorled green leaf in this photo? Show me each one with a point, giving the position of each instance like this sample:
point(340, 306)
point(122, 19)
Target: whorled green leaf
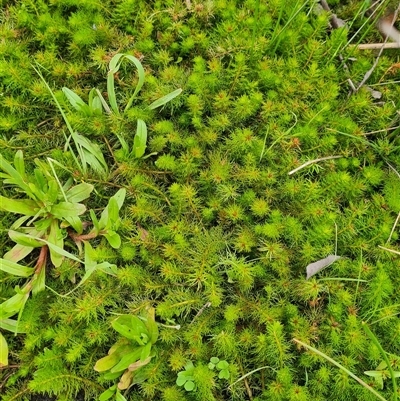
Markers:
point(3, 351)
point(165, 99)
point(15, 269)
point(140, 140)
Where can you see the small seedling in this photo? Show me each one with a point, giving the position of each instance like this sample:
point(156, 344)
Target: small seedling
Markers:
point(129, 354)
point(222, 366)
point(186, 378)
point(381, 373)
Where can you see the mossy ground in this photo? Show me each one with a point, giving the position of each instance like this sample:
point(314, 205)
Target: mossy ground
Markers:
point(216, 234)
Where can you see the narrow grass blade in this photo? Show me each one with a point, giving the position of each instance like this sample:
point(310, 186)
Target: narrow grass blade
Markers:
point(337, 364)
point(140, 140)
point(140, 83)
point(165, 99)
point(82, 168)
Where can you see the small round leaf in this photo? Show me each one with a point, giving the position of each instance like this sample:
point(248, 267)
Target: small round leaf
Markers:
point(189, 386)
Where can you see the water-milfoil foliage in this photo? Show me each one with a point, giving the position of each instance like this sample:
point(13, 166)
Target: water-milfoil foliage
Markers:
point(168, 228)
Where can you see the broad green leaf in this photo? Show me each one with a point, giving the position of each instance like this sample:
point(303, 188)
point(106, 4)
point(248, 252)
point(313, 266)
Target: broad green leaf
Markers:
point(165, 99)
point(17, 253)
point(67, 209)
point(151, 325)
point(95, 222)
point(111, 376)
point(15, 269)
point(130, 327)
point(96, 105)
point(107, 268)
point(113, 211)
point(145, 352)
point(140, 140)
point(119, 196)
point(119, 397)
point(79, 192)
point(127, 359)
point(3, 351)
point(11, 325)
point(24, 239)
point(56, 238)
point(214, 360)
point(39, 188)
point(107, 362)
point(19, 163)
point(14, 304)
point(113, 239)
point(21, 206)
point(53, 191)
point(76, 223)
point(106, 395)
point(42, 225)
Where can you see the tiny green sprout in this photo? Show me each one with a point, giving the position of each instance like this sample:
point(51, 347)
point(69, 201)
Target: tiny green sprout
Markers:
point(222, 366)
point(381, 373)
point(186, 378)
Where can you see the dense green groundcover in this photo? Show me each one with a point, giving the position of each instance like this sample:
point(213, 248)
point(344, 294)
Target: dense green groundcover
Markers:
point(216, 235)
